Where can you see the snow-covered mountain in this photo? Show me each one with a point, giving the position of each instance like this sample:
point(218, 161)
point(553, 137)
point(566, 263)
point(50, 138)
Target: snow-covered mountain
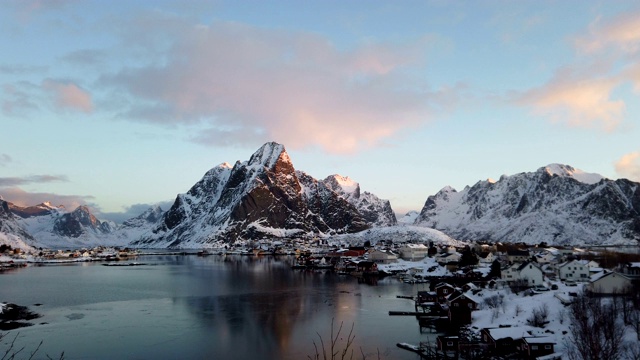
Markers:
point(409, 218)
point(45, 225)
point(374, 210)
point(263, 197)
point(11, 232)
point(555, 204)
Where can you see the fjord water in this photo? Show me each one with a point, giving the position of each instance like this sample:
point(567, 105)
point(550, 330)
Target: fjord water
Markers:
point(190, 307)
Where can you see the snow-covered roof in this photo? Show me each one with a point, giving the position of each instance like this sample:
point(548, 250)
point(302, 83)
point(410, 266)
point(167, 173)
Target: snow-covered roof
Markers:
point(467, 295)
point(539, 340)
point(605, 273)
point(509, 332)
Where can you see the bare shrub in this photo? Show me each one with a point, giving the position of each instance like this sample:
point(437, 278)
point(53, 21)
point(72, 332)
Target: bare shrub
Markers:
point(596, 330)
point(11, 351)
point(494, 301)
point(518, 310)
point(539, 316)
point(333, 350)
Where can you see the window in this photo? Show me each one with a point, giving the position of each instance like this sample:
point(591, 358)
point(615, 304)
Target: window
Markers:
point(547, 347)
point(534, 347)
point(470, 305)
point(449, 343)
point(456, 304)
point(445, 291)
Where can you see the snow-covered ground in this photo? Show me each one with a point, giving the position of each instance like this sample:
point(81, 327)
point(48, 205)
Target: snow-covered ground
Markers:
point(400, 233)
point(15, 242)
point(421, 267)
point(515, 310)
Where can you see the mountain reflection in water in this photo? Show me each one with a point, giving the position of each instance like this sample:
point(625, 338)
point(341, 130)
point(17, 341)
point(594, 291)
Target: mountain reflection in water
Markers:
point(235, 307)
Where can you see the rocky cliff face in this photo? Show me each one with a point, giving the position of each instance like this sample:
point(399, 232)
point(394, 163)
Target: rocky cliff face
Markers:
point(79, 222)
point(556, 204)
point(9, 225)
point(262, 197)
point(374, 210)
point(30, 211)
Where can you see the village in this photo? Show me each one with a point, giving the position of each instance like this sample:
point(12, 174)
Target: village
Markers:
point(503, 301)
point(484, 300)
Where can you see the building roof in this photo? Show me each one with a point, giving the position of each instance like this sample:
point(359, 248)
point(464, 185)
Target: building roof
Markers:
point(467, 295)
point(508, 332)
point(606, 273)
point(518, 252)
point(524, 265)
point(539, 340)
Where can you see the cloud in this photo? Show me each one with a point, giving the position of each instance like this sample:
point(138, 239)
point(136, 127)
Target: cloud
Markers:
point(85, 57)
point(620, 33)
point(292, 87)
point(131, 211)
point(24, 198)
point(578, 101)
point(607, 54)
point(20, 69)
point(18, 98)
point(628, 166)
point(5, 159)
point(16, 181)
point(67, 95)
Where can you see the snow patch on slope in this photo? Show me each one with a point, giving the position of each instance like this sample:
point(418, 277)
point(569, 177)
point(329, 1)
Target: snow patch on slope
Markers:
point(568, 171)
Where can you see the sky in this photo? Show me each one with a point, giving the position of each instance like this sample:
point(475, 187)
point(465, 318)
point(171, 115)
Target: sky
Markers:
point(121, 105)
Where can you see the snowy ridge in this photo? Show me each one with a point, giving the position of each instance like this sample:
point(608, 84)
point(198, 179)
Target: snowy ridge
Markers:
point(409, 218)
point(375, 210)
point(400, 233)
point(568, 171)
point(539, 206)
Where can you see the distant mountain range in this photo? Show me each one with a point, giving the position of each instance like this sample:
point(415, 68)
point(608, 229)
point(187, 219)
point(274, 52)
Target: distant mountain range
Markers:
point(556, 204)
point(266, 197)
point(259, 198)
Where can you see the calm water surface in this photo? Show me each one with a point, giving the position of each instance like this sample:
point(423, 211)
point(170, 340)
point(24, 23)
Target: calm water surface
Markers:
point(189, 307)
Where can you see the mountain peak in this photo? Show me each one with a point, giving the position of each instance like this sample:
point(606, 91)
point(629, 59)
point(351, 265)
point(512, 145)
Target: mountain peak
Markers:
point(569, 171)
point(344, 185)
point(268, 155)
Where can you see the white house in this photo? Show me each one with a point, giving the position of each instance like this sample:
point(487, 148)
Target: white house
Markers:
point(486, 258)
point(448, 258)
point(574, 270)
point(545, 257)
point(609, 283)
point(518, 256)
point(383, 256)
point(631, 270)
point(414, 251)
point(527, 271)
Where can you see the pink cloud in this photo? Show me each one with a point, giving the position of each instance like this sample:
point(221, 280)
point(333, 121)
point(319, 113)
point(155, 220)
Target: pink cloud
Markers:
point(620, 32)
point(578, 101)
point(67, 95)
point(295, 88)
point(628, 166)
point(21, 197)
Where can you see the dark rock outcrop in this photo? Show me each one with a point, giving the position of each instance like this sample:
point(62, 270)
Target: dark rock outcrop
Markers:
point(78, 222)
